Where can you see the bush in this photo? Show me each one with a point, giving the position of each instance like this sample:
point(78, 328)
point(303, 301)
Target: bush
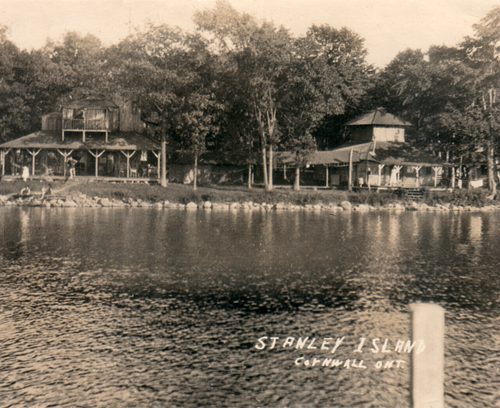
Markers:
point(373, 198)
point(118, 195)
point(475, 198)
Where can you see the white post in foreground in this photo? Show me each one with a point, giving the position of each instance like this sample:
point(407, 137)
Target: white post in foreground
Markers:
point(427, 375)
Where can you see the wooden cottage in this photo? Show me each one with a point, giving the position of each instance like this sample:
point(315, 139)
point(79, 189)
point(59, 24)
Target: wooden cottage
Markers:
point(378, 156)
point(104, 138)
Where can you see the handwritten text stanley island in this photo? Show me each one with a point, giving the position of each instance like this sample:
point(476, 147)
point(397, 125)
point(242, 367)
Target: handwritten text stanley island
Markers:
point(326, 350)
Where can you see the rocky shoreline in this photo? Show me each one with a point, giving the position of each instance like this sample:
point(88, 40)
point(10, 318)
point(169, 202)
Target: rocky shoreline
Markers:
point(82, 200)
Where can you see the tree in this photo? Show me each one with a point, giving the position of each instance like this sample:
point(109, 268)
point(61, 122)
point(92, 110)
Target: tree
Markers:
point(170, 72)
point(77, 66)
point(196, 120)
point(341, 76)
point(13, 105)
point(482, 53)
point(326, 77)
point(450, 94)
point(257, 54)
point(237, 139)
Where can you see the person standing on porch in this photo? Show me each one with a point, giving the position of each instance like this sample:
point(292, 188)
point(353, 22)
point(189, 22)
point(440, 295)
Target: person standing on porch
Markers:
point(71, 167)
point(25, 173)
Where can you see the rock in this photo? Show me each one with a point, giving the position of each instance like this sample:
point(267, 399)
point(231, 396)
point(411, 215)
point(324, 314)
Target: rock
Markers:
point(158, 205)
point(413, 206)
point(207, 205)
point(191, 206)
point(269, 207)
point(104, 202)
point(346, 205)
point(398, 207)
point(219, 207)
point(361, 208)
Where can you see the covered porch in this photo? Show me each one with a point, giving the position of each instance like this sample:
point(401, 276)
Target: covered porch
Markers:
point(383, 165)
point(125, 157)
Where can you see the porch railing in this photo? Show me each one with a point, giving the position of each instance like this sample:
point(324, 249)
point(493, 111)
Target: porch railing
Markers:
point(85, 124)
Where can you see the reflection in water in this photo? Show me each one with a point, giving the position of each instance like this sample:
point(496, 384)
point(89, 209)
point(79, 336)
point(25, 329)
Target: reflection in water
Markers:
point(143, 307)
point(476, 227)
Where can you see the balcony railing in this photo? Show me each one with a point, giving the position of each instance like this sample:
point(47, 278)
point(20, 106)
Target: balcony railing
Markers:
point(84, 124)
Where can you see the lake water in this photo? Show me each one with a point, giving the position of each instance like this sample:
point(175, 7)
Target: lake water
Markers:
point(143, 307)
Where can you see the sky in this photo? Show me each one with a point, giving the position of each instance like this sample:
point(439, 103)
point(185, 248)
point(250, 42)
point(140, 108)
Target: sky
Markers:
point(388, 26)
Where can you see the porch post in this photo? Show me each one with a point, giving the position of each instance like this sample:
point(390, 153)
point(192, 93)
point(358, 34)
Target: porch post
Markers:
point(128, 156)
point(85, 125)
point(417, 174)
point(4, 158)
point(33, 154)
point(106, 119)
point(380, 167)
point(397, 170)
point(436, 170)
point(453, 177)
point(327, 176)
point(65, 155)
point(158, 162)
point(96, 155)
point(349, 183)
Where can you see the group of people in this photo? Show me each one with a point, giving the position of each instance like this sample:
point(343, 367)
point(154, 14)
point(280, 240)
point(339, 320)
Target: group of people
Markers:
point(70, 165)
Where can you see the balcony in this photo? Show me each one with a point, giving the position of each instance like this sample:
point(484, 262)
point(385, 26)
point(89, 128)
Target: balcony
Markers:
point(85, 124)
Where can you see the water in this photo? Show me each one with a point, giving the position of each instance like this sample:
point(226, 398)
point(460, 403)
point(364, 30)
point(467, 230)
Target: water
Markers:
point(140, 307)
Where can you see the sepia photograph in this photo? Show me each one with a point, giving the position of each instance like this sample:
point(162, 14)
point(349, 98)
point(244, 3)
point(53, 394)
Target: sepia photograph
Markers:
point(250, 203)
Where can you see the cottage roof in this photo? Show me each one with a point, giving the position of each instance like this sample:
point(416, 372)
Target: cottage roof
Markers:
point(50, 140)
point(388, 153)
point(92, 102)
point(392, 153)
point(378, 117)
point(336, 157)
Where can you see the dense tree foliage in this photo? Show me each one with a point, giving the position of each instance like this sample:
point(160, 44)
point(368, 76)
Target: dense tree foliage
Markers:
point(248, 88)
point(449, 94)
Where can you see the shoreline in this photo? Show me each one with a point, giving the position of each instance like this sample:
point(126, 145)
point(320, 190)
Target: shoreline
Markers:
point(183, 197)
point(84, 201)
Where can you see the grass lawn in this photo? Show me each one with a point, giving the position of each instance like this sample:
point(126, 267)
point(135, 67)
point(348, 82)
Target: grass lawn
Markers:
point(180, 193)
